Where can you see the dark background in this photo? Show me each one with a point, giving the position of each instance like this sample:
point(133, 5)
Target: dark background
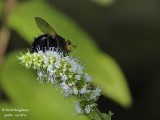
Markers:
point(129, 31)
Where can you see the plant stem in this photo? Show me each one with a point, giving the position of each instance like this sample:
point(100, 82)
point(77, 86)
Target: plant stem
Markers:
point(99, 113)
point(4, 29)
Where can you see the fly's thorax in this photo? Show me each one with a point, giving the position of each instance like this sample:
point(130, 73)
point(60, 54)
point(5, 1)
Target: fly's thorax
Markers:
point(43, 42)
point(46, 41)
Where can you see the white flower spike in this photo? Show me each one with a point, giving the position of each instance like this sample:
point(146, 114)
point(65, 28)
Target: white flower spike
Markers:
point(64, 72)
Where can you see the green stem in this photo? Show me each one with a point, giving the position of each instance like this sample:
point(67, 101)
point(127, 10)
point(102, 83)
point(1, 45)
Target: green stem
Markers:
point(99, 113)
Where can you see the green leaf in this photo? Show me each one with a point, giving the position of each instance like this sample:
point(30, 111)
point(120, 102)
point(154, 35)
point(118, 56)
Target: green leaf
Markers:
point(108, 116)
point(105, 71)
point(42, 100)
point(94, 116)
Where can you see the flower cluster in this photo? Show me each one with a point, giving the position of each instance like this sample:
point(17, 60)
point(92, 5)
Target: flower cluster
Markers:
point(65, 72)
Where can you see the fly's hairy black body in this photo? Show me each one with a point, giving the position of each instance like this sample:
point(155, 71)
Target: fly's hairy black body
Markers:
point(46, 42)
point(50, 39)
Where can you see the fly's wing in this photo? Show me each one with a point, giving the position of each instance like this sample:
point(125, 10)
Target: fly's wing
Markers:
point(44, 26)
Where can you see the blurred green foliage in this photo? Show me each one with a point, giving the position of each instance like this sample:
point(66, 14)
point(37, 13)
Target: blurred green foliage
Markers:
point(42, 100)
point(1, 7)
point(104, 3)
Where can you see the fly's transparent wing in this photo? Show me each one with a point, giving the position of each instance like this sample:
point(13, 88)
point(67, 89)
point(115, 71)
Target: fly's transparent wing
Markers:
point(44, 26)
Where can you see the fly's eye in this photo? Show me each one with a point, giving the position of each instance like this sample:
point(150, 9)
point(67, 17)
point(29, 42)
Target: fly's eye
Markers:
point(69, 42)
